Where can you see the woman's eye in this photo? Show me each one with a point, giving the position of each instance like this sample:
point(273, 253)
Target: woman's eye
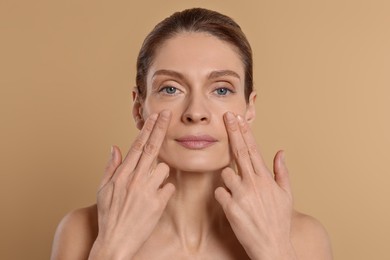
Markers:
point(169, 90)
point(222, 91)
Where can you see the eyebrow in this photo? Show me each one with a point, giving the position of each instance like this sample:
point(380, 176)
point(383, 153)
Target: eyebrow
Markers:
point(221, 73)
point(212, 75)
point(171, 73)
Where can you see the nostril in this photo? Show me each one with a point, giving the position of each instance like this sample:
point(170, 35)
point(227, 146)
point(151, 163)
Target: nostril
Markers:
point(192, 118)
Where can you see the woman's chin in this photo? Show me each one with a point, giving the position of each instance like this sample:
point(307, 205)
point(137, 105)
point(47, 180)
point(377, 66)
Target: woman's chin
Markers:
point(196, 164)
point(196, 169)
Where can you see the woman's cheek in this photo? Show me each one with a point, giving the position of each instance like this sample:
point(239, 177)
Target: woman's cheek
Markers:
point(155, 108)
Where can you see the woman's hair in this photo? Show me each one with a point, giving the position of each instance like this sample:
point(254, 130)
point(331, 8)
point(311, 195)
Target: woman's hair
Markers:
point(194, 20)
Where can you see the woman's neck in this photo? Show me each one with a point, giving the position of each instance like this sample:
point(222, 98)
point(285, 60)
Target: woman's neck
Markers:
point(192, 213)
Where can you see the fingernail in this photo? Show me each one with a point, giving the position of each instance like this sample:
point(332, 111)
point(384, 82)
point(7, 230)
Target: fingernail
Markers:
point(112, 152)
point(229, 116)
point(283, 157)
point(240, 120)
point(165, 113)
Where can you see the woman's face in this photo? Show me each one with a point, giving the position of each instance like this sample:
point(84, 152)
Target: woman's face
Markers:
point(198, 78)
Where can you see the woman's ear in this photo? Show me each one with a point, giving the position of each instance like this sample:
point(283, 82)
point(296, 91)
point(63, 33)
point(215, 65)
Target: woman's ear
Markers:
point(251, 109)
point(137, 110)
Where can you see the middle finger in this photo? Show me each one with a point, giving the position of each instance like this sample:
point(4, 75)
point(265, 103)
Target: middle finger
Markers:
point(258, 163)
point(238, 145)
point(156, 138)
point(136, 149)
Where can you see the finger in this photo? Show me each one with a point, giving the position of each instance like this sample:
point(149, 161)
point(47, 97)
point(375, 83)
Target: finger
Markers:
point(166, 193)
point(282, 177)
point(136, 149)
point(223, 197)
point(113, 163)
point(231, 179)
point(237, 145)
point(159, 175)
point(257, 160)
point(153, 144)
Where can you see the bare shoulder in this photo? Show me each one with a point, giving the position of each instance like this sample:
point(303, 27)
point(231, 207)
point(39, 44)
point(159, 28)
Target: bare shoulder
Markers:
point(75, 234)
point(310, 239)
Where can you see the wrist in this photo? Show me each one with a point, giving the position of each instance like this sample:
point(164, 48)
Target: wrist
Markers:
point(283, 251)
point(102, 250)
point(278, 251)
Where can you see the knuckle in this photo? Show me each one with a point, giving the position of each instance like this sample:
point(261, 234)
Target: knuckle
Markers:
point(150, 148)
point(241, 152)
point(149, 125)
point(137, 146)
point(252, 148)
point(232, 125)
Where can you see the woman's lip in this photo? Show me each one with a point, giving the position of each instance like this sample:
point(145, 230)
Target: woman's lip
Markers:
point(196, 142)
point(186, 138)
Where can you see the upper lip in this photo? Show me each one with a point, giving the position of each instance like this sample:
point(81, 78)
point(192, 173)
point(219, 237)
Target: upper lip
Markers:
point(194, 138)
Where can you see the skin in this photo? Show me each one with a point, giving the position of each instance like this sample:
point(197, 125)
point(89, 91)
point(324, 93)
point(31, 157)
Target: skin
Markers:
point(165, 201)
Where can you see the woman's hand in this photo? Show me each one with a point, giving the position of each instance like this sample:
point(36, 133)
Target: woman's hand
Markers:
point(131, 197)
point(257, 203)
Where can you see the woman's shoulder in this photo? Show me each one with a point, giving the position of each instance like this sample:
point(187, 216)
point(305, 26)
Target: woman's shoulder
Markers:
point(84, 219)
point(310, 238)
point(75, 234)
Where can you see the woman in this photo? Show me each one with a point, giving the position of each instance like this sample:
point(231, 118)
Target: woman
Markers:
point(193, 184)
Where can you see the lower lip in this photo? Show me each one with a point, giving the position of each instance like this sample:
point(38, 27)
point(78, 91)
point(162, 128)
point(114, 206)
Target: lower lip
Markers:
point(196, 145)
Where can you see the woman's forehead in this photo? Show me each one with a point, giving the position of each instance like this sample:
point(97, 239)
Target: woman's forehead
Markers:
point(197, 52)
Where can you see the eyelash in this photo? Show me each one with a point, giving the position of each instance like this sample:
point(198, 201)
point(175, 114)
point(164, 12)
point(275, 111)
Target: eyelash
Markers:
point(229, 91)
point(163, 90)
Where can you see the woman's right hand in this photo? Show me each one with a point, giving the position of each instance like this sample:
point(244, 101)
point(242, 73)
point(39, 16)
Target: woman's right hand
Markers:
point(131, 197)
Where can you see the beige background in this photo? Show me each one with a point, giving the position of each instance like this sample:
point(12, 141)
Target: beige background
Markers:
point(321, 70)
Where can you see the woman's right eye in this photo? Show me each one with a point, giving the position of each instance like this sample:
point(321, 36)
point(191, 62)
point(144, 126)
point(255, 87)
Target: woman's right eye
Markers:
point(169, 90)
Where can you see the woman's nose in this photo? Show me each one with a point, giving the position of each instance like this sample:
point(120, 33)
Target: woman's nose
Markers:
point(196, 111)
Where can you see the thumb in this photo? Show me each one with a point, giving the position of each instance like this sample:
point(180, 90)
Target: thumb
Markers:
point(112, 164)
point(281, 172)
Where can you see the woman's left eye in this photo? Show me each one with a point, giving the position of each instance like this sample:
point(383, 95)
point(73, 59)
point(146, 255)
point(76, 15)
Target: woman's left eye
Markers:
point(223, 91)
point(169, 90)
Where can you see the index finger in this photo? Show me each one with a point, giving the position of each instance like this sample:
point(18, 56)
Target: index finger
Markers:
point(135, 151)
point(156, 138)
point(257, 160)
point(237, 145)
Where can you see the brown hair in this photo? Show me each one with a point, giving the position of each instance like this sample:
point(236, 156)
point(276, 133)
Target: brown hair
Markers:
point(194, 20)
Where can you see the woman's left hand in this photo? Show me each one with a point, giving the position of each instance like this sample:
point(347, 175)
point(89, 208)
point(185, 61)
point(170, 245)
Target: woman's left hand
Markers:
point(257, 203)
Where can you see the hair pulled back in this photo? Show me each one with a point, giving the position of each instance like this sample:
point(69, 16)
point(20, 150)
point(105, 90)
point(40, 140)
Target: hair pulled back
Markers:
point(194, 20)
